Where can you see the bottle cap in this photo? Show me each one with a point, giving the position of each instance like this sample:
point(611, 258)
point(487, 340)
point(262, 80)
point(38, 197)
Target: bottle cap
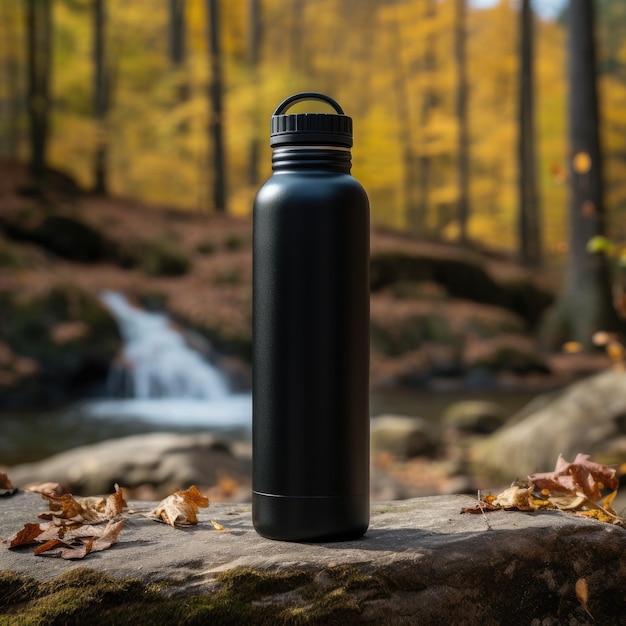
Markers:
point(310, 128)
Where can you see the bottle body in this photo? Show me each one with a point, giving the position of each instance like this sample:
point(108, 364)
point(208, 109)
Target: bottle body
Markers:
point(311, 356)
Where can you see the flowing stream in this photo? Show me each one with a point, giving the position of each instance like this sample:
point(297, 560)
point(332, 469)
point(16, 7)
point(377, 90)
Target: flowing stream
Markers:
point(160, 379)
point(161, 383)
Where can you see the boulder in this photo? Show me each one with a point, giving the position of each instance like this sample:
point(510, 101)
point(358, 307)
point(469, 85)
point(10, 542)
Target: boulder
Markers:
point(160, 462)
point(474, 416)
point(421, 562)
point(586, 417)
point(403, 437)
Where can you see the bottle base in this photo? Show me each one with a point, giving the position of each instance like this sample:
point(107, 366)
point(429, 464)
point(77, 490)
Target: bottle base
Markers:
point(310, 519)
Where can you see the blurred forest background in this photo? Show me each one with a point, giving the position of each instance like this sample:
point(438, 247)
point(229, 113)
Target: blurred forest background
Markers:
point(132, 93)
point(133, 138)
point(490, 137)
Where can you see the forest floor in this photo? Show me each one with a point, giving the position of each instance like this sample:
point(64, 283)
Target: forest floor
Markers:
point(213, 291)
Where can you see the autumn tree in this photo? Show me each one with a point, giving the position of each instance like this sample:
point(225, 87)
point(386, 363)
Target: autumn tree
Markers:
point(460, 55)
point(10, 84)
point(177, 39)
point(39, 60)
point(101, 95)
point(585, 305)
point(216, 123)
point(528, 209)
point(255, 28)
point(426, 108)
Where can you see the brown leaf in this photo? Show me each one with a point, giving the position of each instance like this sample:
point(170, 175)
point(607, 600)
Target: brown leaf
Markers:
point(582, 593)
point(95, 544)
point(79, 543)
point(27, 535)
point(51, 489)
point(582, 475)
point(6, 488)
point(66, 508)
point(181, 507)
point(47, 546)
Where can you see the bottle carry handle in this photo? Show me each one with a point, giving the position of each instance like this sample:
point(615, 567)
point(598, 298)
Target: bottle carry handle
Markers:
point(307, 95)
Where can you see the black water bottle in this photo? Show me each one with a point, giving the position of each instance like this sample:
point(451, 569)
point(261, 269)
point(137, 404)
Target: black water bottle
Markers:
point(311, 333)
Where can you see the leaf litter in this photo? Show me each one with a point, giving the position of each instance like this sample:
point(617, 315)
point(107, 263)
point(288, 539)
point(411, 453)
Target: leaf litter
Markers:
point(581, 488)
point(74, 527)
point(6, 488)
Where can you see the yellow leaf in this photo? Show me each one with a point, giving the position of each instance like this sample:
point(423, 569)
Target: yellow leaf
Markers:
point(219, 527)
point(582, 593)
point(608, 500)
point(571, 347)
point(615, 351)
point(582, 162)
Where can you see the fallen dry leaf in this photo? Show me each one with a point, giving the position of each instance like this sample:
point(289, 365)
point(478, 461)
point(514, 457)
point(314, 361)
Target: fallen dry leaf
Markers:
point(74, 527)
point(27, 535)
point(572, 487)
point(516, 497)
point(582, 593)
point(180, 508)
point(219, 527)
point(6, 488)
point(78, 547)
point(581, 475)
point(51, 489)
point(66, 508)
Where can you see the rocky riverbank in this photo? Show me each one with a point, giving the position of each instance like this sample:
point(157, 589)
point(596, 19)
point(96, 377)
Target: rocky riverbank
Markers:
point(475, 445)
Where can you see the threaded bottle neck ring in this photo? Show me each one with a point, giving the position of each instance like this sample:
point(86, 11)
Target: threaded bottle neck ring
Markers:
point(312, 157)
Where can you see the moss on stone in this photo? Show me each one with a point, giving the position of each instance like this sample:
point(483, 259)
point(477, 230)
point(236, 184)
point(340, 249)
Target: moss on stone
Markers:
point(240, 596)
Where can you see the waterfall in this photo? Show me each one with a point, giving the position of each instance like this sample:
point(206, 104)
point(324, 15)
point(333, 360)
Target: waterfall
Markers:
point(161, 380)
point(156, 361)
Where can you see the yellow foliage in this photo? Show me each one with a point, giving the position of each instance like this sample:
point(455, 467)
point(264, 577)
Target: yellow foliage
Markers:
point(391, 65)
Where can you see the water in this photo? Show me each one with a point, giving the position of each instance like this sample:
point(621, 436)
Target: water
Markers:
point(160, 380)
point(160, 383)
point(156, 361)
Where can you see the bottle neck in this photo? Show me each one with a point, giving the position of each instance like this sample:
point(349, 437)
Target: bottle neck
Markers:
point(330, 158)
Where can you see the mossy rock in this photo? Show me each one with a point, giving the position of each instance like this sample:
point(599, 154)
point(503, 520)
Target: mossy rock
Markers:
point(70, 238)
point(462, 274)
point(475, 416)
point(411, 333)
point(163, 257)
point(15, 257)
point(67, 332)
point(156, 257)
point(63, 235)
point(506, 353)
point(239, 596)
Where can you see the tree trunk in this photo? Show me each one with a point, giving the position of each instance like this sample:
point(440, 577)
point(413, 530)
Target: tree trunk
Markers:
point(9, 16)
point(101, 96)
point(178, 46)
point(460, 40)
point(586, 303)
point(254, 59)
point(427, 105)
point(39, 59)
point(216, 124)
point(405, 131)
point(528, 217)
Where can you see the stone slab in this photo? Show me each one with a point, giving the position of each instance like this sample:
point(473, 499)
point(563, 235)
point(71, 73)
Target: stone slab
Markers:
point(429, 560)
